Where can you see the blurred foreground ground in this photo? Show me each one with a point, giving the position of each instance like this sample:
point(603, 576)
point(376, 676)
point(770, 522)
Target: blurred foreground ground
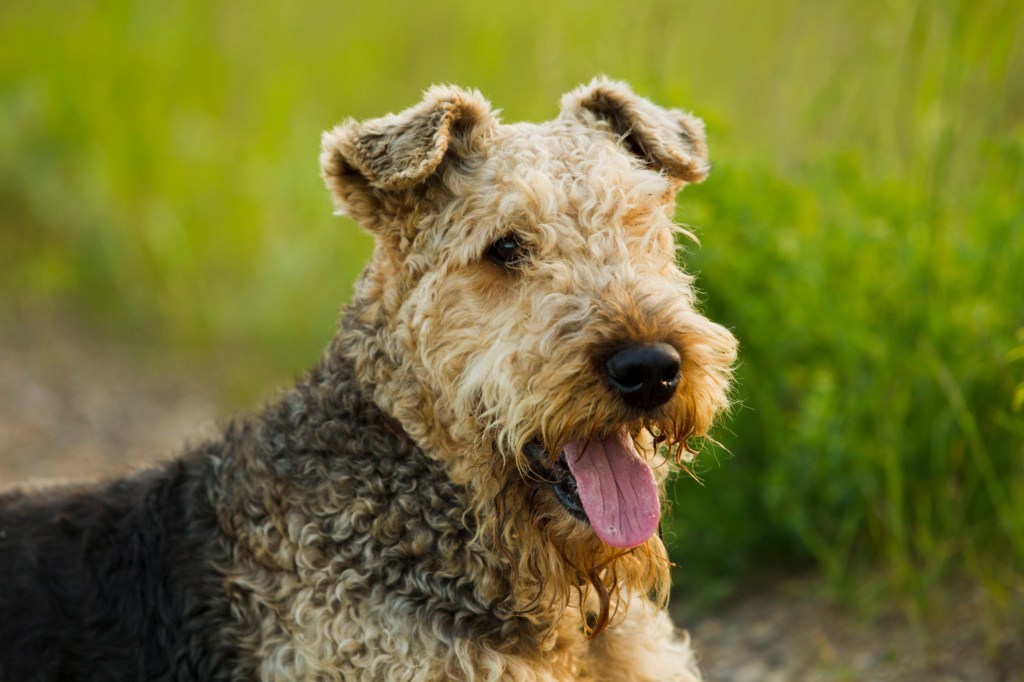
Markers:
point(72, 408)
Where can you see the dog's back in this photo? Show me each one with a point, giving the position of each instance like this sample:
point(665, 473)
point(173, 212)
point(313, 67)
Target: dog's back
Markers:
point(111, 581)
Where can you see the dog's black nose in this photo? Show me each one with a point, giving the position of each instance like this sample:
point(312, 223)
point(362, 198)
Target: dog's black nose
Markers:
point(644, 376)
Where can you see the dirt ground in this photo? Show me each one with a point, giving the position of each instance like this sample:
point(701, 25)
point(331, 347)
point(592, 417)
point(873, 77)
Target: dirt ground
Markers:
point(71, 409)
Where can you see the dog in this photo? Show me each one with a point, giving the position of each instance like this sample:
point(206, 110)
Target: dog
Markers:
point(468, 484)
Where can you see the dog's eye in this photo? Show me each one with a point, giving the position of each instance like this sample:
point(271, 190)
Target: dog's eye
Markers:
point(507, 251)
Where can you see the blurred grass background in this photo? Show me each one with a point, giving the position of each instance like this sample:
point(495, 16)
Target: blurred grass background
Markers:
point(862, 233)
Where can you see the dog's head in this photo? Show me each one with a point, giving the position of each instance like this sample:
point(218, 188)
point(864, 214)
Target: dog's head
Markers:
point(525, 319)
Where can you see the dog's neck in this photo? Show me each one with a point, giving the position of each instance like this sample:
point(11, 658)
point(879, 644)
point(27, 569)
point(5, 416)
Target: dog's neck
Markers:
point(378, 362)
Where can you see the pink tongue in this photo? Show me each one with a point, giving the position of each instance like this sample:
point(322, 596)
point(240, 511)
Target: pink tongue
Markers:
point(617, 489)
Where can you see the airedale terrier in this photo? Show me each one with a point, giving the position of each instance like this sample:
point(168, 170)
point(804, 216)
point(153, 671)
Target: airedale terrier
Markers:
point(467, 485)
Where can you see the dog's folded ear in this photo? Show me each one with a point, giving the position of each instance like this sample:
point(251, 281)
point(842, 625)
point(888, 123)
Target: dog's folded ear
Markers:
point(668, 140)
point(377, 166)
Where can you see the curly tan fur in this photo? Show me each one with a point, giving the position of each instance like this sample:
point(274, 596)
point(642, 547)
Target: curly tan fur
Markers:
point(381, 521)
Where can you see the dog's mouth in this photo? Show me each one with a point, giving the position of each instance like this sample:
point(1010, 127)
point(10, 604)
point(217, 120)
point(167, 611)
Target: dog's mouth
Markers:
point(561, 480)
point(604, 482)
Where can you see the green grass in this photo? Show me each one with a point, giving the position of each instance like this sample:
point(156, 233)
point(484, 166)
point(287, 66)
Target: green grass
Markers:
point(862, 231)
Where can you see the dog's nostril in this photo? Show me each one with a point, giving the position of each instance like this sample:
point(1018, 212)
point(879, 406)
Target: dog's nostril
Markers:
point(628, 378)
point(644, 376)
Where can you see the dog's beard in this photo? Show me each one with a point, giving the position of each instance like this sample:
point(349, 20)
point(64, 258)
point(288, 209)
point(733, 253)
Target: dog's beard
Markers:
point(543, 530)
point(559, 562)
